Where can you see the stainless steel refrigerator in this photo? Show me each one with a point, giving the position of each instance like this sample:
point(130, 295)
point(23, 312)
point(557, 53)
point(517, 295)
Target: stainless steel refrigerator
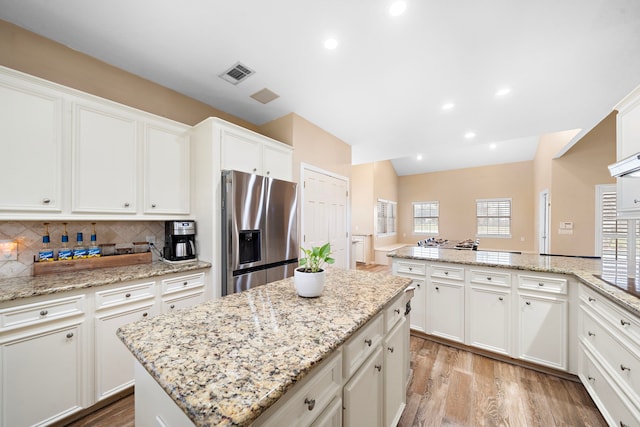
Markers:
point(259, 230)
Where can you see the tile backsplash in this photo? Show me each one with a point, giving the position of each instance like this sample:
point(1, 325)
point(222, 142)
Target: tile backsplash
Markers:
point(28, 234)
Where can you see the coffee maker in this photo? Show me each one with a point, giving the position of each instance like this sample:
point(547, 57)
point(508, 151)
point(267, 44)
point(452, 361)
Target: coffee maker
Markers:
point(179, 240)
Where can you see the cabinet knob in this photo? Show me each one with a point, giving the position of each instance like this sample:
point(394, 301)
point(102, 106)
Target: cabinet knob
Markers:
point(489, 278)
point(397, 311)
point(127, 295)
point(591, 299)
point(390, 349)
point(446, 273)
point(368, 342)
point(624, 368)
point(591, 334)
point(311, 403)
point(590, 378)
point(145, 314)
point(624, 322)
point(540, 284)
point(126, 204)
point(528, 302)
point(500, 298)
point(44, 312)
point(70, 335)
point(437, 288)
point(46, 201)
point(153, 205)
point(636, 201)
point(255, 169)
point(622, 424)
point(268, 172)
point(172, 306)
point(378, 367)
point(418, 284)
point(410, 268)
point(185, 283)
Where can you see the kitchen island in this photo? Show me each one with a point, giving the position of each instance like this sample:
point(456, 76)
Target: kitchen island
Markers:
point(227, 361)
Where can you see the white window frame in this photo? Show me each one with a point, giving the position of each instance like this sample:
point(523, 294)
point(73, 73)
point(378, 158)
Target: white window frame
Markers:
point(496, 200)
point(436, 217)
point(392, 207)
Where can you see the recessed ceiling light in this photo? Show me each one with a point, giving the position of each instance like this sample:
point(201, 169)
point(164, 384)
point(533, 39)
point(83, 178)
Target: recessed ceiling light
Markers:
point(470, 135)
point(502, 92)
point(448, 106)
point(331, 44)
point(419, 157)
point(397, 8)
point(493, 146)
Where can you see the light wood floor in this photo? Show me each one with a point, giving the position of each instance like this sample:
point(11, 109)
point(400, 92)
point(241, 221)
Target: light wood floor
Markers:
point(452, 387)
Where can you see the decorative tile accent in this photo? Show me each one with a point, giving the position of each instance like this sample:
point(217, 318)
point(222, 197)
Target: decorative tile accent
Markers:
point(28, 234)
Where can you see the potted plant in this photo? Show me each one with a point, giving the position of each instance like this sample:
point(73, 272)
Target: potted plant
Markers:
point(309, 276)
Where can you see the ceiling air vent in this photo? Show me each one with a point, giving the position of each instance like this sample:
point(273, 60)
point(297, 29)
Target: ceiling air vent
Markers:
point(265, 96)
point(237, 73)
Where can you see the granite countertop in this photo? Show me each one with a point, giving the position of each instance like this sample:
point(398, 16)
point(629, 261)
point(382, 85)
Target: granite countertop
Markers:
point(227, 360)
point(31, 286)
point(584, 269)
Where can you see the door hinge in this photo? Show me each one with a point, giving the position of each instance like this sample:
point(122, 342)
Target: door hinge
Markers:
point(304, 238)
point(304, 184)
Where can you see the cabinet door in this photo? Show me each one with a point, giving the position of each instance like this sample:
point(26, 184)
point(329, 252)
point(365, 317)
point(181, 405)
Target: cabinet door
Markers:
point(394, 378)
point(330, 417)
point(489, 319)
point(31, 153)
point(417, 316)
point(166, 170)
point(240, 152)
point(104, 161)
point(42, 377)
point(363, 394)
point(542, 330)
point(277, 161)
point(446, 310)
point(113, 361)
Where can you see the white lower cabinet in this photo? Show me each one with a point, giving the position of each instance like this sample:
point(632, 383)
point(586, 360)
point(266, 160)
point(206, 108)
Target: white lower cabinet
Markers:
point(445, 308)
point(43, 352)
point(489, 319)
point(415, 270)
point(395, 395)
point(363, 394)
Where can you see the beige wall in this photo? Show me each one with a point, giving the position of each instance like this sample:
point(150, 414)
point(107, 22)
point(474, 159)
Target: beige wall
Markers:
point(363, 201)
point(574, 177)
point(385, 186)
point(457, 191)
point(30, 53)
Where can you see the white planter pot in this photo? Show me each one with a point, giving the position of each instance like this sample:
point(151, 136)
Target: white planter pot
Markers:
point(309, 285)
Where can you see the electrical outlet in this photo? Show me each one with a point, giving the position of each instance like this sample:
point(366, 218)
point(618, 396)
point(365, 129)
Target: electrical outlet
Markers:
point(151, 239)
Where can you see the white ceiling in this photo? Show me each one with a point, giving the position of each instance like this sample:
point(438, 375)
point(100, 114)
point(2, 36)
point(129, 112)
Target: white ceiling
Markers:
point(567, 62)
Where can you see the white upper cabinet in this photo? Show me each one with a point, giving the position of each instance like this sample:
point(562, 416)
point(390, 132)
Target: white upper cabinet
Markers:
point(166, 170)
point(104, 160)
point(627, 144)
point(31, 147)
point(276, 160)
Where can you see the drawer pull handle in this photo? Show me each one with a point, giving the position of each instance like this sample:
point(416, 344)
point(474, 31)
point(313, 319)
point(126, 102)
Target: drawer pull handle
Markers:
point(153, 205)
point(634, 201)
point(127, 295)
point(311, 403)
point(126, 205)
point(621, 423)
point(590, 378)
point(70, 335)
point(44, 312)
point(592, 299)
point(172, 306)
point(624, 368)
point(145, 314)
point(368, 342)
point(489, 278)
point(528, 302)
point(46, 201)
point(500, 298)
point(624, 322)
point(410, 268)
point(446, 273)
point(591, 334)
point(390, 349)
point(540, 284)
point(378, 367)
point(397, 311)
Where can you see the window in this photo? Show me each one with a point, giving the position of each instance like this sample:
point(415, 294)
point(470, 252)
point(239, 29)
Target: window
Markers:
point(425, 217)
point(386, 217)
point(493, 217)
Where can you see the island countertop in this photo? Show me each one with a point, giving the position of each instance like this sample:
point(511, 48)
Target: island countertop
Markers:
point(225, 361)
point(584, 269)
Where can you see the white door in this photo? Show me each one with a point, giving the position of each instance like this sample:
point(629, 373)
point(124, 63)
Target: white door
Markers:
point(324, 214)
point(543, 232)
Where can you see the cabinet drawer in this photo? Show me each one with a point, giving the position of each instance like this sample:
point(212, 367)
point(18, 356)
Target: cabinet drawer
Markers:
point(37, 313)
point(411, 268)
point(182, 301)
point(124, 295)
point(394, 312)
point(446, 272)
point(615, 356)
point(543, 284)
point(361, 345)
point(619, 319)
point(182, 283)
point(490, 278)
point(301, 406)
point(615, 408)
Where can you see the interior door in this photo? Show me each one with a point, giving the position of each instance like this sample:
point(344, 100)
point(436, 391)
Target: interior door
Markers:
point(325, 214)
